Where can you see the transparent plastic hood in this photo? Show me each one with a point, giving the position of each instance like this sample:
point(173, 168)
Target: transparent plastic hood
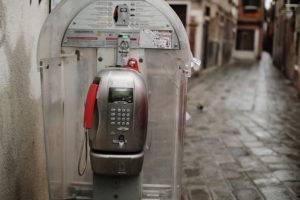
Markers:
point(67, 72)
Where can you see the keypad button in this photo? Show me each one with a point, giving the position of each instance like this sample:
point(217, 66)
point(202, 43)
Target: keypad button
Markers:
point(123, 110)
point(122, 129)
point(119, 123)
point(119, 114)
point(128, 119)
point(123, 115)
point(113, 110)
point(119, 109)
point(127, 123)
point(112, 114)
point(112, 118)
point(128, 110)
point(112, 133)
point(119, 118)
point(113, 123)
point(123, 119)
point(128, 114)
point(123, 123)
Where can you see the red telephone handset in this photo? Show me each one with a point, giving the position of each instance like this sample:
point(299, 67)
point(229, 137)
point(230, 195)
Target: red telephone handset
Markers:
point(116, 14)
point(89, 105)
point(87, 122)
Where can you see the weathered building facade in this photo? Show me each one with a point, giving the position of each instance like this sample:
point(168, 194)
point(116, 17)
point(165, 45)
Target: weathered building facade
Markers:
point(250, 28)
point(211, 25)
point(286, 42)
point(296, 71)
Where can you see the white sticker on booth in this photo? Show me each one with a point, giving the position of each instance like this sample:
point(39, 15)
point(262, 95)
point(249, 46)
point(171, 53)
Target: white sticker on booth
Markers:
point(156, 39)
point(196, 64)
point(187, 116)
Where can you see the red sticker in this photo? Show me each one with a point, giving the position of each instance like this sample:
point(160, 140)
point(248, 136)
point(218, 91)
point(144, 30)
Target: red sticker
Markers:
point(111, 38)
point(82, 38)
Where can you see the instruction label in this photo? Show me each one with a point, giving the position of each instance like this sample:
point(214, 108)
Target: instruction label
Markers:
point(96, 26)
point(156, 39)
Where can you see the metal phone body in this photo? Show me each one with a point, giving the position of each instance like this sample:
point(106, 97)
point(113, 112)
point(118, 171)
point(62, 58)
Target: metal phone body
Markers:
point(119, 125)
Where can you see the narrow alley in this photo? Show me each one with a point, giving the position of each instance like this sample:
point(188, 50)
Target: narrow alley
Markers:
point(245, 143)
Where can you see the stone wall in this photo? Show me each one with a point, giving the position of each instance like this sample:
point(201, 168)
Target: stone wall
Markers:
point(22, 154)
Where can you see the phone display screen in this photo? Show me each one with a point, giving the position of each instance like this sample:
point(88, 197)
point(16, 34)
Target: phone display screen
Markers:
point(121, 94)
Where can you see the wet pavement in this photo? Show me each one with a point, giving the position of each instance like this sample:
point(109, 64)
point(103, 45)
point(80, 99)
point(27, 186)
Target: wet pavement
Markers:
point(245, 144)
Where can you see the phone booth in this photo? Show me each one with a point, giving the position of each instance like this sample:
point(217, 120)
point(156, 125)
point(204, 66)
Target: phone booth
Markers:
point(114, 80)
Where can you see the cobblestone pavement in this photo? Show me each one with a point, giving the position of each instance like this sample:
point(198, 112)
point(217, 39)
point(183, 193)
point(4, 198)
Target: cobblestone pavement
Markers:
point(245, 144)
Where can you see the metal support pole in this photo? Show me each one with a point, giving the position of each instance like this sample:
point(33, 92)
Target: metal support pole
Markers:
point(117, 187)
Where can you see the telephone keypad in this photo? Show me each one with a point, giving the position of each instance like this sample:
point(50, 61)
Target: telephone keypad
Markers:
point(120, 119)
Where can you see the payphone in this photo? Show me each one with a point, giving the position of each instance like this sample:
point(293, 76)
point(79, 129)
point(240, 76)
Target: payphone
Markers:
point(118, 123)
point(117, 71)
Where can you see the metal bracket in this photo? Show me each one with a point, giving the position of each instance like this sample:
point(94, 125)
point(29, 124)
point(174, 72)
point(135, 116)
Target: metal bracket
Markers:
point(46, 63)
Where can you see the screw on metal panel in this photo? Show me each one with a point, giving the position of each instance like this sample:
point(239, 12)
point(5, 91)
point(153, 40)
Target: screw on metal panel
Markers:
point(141, 60)
point(200, 106)
point(59, 64)
point(132, 63)
point(41, 63)
point(185, 71)
point(100, 59)
point(48, 66)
